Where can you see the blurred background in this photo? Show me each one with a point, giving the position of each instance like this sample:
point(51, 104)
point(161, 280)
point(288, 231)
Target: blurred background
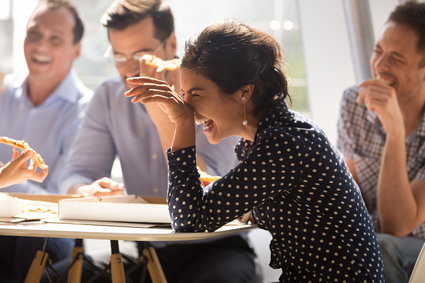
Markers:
point(326, 45)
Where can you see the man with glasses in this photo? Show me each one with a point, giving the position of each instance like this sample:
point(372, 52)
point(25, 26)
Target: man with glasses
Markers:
point(114, 126)
point(44, 109)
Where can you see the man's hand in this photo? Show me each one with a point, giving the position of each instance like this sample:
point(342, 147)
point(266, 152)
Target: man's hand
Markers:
point(378, 96)
point(101, 187)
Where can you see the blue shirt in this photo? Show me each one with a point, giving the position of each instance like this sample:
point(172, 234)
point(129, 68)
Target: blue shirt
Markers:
point(114, 126)
point(48, 128)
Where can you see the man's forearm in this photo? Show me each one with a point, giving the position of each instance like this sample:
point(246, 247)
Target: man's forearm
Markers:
point(396, 204)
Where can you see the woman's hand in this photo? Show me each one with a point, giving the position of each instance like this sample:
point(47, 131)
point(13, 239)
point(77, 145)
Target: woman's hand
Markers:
point(16, 170)
point(151, 90)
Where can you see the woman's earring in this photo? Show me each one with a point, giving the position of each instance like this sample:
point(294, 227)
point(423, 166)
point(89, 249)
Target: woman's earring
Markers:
point(244, 122)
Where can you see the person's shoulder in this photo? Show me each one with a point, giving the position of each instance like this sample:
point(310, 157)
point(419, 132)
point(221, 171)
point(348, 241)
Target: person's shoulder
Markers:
point(13, 81)
point(351, 93)
point(112, 83)
point(85, 94)
point(111, 87)
point(295, 128)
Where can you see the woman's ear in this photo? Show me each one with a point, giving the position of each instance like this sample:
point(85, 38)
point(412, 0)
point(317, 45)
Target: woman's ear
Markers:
point(246, 92)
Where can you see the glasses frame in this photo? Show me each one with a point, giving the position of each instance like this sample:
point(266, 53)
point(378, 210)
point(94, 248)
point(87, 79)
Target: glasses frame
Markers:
point(136, 56)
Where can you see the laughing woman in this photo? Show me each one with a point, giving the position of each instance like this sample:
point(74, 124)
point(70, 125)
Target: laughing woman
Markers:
point(289, 175)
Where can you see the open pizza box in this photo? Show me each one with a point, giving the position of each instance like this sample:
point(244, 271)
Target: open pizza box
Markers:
point(130, 208)
point(15, 207)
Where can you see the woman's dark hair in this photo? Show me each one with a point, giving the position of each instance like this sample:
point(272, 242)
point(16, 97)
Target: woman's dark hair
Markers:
point(412, 14)
point(78, 26)
point(232, 55)
point(124, 13)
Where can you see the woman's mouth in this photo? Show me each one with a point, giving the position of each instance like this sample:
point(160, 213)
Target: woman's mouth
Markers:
point(207, 123)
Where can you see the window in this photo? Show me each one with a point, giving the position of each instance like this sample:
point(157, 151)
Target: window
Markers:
point(276, 17)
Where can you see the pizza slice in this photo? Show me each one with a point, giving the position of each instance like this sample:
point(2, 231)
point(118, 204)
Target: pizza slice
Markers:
point(170, 65)
point(23, 146)
point(206, 179)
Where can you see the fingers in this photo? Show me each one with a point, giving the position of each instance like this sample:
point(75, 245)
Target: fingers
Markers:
point(39, 177)
point(145, 80)
point(148, 91)
point(21, 160)
point(374, 91)
point(157, 95)
point(147, 87)
point(106, 183)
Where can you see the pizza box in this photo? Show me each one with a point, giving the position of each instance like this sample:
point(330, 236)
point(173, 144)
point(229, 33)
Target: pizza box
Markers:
point(130, 208)
point(48, 197)
point(9, 206)
point(29, 206)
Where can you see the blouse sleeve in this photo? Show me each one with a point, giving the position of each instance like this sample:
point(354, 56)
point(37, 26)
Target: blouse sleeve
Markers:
point(273, 165)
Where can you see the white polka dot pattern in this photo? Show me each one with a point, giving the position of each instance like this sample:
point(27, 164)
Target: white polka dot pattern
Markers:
point(298, 188)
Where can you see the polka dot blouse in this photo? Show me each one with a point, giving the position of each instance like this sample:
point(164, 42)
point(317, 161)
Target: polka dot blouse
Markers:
point(298, 189)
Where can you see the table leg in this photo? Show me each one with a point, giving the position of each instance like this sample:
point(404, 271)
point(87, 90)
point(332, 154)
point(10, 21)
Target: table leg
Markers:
point(37, 267)
point(154, 266)
point(117, 267)
point(77, 259)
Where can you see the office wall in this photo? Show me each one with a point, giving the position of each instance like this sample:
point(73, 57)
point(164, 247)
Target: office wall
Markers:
point(328, 63)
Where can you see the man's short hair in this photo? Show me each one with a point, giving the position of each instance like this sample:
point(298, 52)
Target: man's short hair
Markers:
point(124, 13)
point(78, 26)
point(412, 14)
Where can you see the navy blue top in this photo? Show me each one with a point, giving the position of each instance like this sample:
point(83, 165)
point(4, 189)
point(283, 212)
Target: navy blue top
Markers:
point(298, 188)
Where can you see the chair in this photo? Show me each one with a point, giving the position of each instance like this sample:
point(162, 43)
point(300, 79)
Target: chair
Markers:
point(418, 273)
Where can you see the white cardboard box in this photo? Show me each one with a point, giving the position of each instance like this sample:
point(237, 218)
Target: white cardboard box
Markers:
point(29, 206)
point(129, 208)
point(9, 206)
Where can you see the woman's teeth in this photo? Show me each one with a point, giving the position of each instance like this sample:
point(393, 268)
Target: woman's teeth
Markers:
point(208, 124)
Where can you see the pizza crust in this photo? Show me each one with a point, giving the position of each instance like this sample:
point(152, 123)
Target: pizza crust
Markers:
point(23, 146)
point(170, 65)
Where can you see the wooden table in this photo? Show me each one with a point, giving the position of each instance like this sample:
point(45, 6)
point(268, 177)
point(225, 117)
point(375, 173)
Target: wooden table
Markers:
point(113, 233)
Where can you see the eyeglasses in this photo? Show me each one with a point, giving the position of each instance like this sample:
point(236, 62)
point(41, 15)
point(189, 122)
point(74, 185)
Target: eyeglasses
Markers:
point(120, 59)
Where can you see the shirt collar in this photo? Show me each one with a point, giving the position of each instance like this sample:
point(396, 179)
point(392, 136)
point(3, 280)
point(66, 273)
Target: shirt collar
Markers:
point(66, 90)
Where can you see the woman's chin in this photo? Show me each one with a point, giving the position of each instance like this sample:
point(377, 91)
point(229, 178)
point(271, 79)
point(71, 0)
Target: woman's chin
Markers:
point(213, 137)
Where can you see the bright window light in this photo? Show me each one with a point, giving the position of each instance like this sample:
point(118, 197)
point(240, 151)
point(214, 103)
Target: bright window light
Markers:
point(4, 10)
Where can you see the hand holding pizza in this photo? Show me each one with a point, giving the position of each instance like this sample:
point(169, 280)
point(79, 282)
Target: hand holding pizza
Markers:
point(16, 171)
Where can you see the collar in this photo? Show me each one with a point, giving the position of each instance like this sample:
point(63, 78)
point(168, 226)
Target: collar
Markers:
point(66, 90)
